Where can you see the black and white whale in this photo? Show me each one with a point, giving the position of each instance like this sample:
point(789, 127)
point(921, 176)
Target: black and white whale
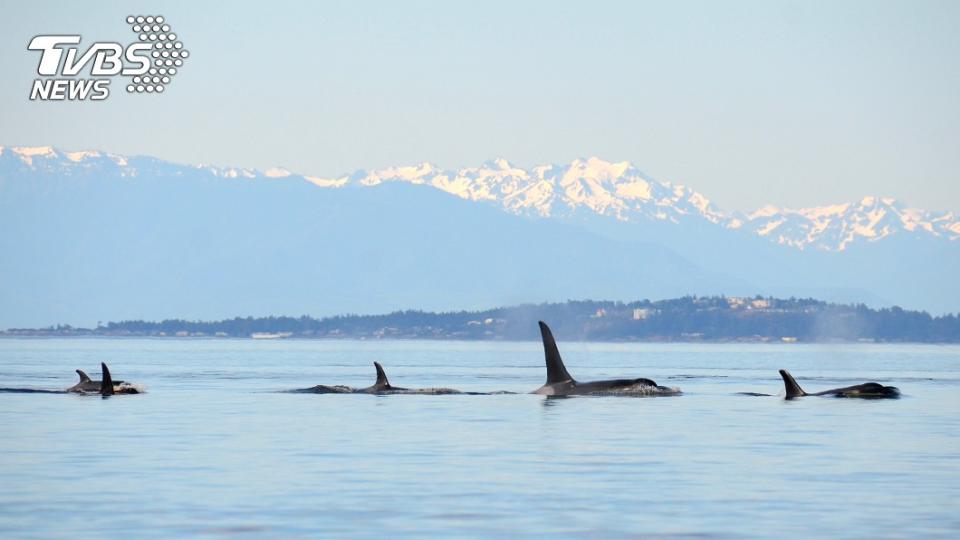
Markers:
point(560, 383)
point(870, 390)
point(381, 386)
point(109, 387)
point(105, 387)
point(86, 385)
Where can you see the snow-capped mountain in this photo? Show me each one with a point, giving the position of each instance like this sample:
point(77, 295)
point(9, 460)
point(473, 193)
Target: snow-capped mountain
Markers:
point(591, 186)
point(623, 192)
point(617, 190)
point(833, 228)
point(93, 236)
point(49, 159)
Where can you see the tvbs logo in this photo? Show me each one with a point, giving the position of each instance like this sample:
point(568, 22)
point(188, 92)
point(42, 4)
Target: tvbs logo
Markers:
point(149, 64)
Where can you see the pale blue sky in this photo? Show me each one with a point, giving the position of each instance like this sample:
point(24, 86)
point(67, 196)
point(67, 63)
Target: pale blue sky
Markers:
point(795, 103)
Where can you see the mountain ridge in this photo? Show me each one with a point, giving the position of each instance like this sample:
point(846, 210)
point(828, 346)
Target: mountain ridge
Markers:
point(612, 190)
point(97, 236)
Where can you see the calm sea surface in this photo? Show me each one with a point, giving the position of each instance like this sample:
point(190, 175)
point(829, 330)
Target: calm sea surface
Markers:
point(214, 449)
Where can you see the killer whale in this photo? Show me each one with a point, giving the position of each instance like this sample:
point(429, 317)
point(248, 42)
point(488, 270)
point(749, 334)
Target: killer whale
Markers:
point(870, 390)
point(108, 386)
point(381, 386)
point(85, 385)
point(88, 385)
point(561, 383)
point(105, 387)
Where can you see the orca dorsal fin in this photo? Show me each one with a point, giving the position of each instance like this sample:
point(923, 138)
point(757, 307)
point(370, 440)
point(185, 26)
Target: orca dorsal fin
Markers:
point(556, 371)
point(106, 385)
point(382, 381)
point(83, 376)
point(793, 389)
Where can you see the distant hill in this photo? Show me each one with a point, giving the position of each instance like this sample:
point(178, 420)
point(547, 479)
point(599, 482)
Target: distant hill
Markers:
point(716, 318)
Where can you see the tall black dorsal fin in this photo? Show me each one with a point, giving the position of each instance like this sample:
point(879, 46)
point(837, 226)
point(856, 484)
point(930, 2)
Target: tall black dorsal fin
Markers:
point(83, 376)
point(106, 385)
point(556, 371)
point(382, 381)
point(793, 389)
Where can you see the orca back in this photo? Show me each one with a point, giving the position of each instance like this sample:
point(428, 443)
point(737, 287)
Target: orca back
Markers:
point(382, 382)
point(556, 371)
point(106, 384)
point(793, 389)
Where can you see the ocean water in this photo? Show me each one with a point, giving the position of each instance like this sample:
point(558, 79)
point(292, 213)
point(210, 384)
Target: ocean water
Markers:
point(214, 449)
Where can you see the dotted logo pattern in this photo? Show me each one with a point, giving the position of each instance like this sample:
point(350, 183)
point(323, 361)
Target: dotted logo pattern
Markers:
point(168, 53)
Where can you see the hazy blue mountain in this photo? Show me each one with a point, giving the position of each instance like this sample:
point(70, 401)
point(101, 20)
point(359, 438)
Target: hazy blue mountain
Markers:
point(622, 193)
point(140, 238)
point(91, 236)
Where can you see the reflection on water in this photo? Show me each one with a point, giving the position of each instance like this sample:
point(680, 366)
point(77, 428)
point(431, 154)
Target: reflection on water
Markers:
point(215, 448)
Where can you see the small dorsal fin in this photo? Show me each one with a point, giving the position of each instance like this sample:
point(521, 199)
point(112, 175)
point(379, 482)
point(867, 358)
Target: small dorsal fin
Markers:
point(556, 371)
point(106, 385)
point(793, 389)
point(382, 381)
point(83, 376)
